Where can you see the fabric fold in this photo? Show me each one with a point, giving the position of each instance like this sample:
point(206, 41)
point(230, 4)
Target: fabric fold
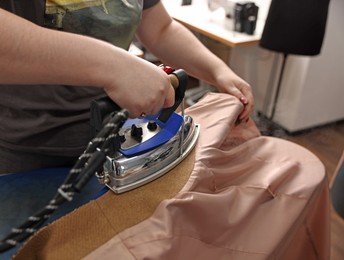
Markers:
point(239, 195)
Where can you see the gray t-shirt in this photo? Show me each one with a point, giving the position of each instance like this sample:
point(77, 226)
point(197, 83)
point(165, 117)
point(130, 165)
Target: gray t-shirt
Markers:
point(54, 120)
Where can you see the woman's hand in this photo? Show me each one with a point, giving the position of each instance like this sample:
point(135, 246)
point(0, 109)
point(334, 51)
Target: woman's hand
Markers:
point(142, 88)
point(229, 82)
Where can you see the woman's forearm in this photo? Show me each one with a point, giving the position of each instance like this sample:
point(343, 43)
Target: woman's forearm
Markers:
point(178, 47)
point(34, 55)
point(30, 54)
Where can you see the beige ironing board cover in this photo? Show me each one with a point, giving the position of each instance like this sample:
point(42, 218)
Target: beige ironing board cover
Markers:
point(238, 196)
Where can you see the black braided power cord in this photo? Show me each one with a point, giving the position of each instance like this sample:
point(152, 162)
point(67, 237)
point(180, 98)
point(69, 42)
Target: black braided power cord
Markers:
point(86, 166)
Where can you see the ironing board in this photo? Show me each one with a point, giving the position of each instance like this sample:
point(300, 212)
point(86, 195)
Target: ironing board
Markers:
point(239, 195)
point(24, 193)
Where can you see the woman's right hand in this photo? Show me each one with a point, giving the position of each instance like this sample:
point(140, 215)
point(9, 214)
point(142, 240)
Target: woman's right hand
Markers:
point(140, 87)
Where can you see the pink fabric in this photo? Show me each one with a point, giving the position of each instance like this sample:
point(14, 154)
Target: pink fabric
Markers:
point(248, 197)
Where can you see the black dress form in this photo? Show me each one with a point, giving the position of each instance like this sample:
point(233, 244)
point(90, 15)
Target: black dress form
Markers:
point(295, 27)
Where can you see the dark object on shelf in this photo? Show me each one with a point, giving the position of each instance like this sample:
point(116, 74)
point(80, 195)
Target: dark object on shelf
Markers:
point(245, 17)
point(186, 2)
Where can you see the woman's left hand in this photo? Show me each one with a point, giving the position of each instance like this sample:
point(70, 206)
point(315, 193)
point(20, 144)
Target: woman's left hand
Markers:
point(234, 85)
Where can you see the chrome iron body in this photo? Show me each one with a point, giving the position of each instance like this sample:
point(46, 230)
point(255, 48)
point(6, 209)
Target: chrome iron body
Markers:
point(122, 173)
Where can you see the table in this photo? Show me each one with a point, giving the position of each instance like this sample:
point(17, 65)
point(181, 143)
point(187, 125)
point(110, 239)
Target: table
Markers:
point(215, 25)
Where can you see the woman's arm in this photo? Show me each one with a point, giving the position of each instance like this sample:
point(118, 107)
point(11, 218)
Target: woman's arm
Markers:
point(30, 54)
point(175, 45)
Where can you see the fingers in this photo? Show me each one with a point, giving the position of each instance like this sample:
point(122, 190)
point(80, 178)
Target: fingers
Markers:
point(141, 105)
point(242, 90)
point(248, 102)
point(245, 96)
point(162, 101)
point(170, 98)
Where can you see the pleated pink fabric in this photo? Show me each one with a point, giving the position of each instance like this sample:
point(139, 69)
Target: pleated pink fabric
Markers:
point(248, 197)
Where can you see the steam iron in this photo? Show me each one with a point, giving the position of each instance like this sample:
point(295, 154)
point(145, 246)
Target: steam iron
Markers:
point(146, 148)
